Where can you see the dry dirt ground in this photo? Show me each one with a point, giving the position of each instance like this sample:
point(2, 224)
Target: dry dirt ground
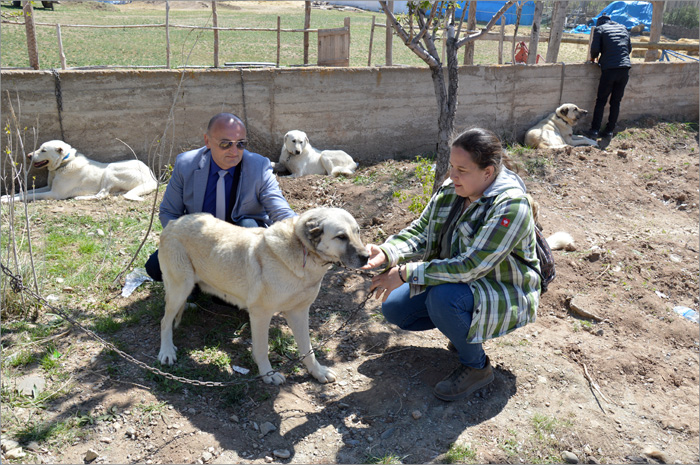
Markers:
point(620, 386)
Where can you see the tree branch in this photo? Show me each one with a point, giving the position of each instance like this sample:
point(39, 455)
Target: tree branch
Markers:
point(401, 32)
point(488, 27)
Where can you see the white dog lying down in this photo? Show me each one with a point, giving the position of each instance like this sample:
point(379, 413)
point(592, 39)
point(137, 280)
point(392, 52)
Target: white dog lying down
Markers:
point(73, 175)
point(556, 130)
point(300, 158)
point(264, 270)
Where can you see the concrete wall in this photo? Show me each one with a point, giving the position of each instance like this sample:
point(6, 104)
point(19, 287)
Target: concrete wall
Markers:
point(372, 113)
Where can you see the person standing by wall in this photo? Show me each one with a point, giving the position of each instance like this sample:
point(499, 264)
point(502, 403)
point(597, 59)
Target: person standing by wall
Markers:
point(611, 41)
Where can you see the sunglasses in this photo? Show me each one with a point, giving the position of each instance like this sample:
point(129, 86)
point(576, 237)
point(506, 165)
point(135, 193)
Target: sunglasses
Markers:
point(227, 144)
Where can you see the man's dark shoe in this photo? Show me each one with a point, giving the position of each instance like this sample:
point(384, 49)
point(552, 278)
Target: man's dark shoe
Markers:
point(464, 381)
point(592, 134)
point(451, 347)
point(606, 134)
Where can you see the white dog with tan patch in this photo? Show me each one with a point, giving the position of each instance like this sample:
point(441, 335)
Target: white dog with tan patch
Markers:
point(556, 130)
point(73, 175)
point(264, 270)
point(300, 158)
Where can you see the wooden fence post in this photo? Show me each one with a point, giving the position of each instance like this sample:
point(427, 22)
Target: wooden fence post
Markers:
point(519, 12)
point(657, 22)
point(60, 47)
point(500, 40)
point(556, 31)
point(471, 25)
point(535, 34)
point(307, 25)
point(215, 23)
point(371, 39)
point(279, 39)
point(32, 47)
point(167, 34)
point(389, 36)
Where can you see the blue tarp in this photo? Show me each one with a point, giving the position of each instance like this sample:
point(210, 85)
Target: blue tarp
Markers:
point(629, 14)
point(486, 9)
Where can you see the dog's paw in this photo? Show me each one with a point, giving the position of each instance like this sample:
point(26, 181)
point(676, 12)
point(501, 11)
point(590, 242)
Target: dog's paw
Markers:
point(167, 356)
point(275, 378)
point(324, 374)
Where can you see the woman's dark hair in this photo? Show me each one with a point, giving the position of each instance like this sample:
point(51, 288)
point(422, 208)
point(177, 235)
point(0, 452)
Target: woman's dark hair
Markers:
point(485, 148)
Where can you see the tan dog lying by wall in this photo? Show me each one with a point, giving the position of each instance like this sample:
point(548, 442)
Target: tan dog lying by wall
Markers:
point(556, 130)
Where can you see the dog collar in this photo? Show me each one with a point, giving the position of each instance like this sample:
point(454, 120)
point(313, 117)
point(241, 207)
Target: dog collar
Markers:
point(66, 157)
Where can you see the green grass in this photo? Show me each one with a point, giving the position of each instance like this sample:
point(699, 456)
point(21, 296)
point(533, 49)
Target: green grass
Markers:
point(425, 175)
point(147, 46)
point(388, 458)
point(459, 453)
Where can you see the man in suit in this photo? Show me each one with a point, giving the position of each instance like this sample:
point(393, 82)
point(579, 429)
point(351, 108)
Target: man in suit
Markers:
point(612, 42)
point(222, 169)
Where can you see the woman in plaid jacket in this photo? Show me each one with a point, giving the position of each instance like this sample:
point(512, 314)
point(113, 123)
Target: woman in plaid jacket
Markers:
point(453, 268)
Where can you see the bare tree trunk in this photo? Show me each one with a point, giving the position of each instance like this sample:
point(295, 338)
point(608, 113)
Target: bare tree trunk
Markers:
point(556, 31)
point(535, 34)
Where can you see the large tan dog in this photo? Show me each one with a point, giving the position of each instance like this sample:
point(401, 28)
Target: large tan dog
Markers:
point(73, 175)
point(556, 130)
point(264, 270)
point(300, 158)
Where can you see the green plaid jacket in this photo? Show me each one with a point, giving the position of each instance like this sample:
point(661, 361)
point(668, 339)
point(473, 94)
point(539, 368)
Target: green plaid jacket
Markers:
point(506, 291)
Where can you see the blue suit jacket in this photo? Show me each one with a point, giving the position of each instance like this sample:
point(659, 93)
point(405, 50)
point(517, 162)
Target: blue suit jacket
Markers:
point(258, 195)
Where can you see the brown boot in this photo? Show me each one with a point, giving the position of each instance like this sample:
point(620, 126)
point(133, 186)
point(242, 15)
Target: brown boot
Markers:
point(463, 381)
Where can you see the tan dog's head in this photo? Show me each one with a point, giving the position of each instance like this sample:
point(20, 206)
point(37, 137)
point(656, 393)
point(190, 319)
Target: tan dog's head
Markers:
point(334, 235)
point(570, 113)
point(295, 142)
point(51, 154)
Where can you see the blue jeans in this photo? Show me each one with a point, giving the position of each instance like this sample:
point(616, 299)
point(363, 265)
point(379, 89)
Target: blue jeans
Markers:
point(153, 264)
point(447, 307)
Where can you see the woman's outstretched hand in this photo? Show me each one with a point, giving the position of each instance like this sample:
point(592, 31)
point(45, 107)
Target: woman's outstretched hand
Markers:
point(376, 257)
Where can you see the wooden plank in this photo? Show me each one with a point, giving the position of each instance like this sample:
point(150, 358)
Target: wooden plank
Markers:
point(334, 46)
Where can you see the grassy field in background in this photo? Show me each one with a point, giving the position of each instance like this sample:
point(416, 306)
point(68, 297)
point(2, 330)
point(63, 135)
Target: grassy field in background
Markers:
point(147, 46)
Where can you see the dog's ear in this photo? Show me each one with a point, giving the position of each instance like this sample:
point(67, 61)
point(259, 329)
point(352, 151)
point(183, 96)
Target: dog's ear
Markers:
point(306, 139)
point(565, 111)
point(59, 150)
point(313, 230)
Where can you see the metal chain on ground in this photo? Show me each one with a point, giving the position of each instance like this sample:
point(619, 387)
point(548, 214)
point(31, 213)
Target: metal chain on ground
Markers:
point(18, 286)
point(59, 99)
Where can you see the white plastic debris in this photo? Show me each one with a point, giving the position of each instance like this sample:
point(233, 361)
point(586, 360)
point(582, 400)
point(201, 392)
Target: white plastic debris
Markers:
point(241, 370)
point(134, 280)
